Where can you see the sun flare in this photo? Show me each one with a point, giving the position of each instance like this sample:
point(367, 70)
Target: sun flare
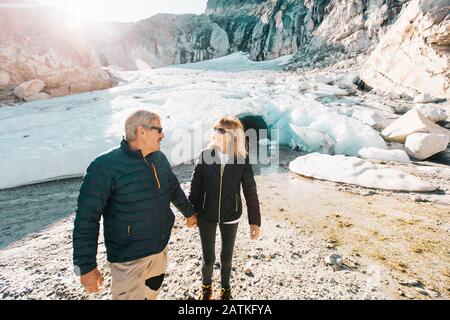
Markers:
point(118, 10)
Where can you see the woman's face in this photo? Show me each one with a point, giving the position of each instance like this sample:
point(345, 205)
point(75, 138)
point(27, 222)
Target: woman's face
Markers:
point(222, 137)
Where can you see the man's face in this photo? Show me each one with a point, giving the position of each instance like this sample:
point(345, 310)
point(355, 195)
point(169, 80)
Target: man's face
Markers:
point(151, 137)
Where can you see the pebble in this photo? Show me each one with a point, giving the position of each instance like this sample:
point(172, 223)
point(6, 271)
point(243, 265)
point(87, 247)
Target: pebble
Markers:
point(422, 291)
point(410, 283)
point(334, 260)
point(248, 270)
point(296, 255)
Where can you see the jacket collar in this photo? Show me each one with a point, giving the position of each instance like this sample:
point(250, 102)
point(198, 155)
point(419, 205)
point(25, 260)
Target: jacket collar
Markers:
point(126, 149)
point(217, 159)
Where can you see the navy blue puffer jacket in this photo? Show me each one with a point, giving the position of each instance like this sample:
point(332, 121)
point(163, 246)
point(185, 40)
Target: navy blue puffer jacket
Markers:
point(133, 194)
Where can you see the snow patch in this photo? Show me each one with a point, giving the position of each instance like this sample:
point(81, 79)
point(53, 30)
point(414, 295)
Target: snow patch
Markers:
point(384, 155)
point(357, 171)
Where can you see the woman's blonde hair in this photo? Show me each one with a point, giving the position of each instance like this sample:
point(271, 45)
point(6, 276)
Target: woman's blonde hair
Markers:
point(233, 126)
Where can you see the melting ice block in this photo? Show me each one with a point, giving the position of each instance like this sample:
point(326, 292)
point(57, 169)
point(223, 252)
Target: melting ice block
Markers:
point(357, 171)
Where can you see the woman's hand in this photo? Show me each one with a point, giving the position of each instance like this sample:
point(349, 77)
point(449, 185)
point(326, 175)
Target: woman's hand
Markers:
point(254, 232)
point(192, 221)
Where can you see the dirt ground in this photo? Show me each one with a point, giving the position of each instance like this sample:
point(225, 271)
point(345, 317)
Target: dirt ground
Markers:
point(406, 242)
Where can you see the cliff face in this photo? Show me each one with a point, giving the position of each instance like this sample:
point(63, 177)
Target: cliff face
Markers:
point(164, 39)
point(347, 27)
point(37, 45)
point(413, 57)
point(266, 29)
point(407, 39)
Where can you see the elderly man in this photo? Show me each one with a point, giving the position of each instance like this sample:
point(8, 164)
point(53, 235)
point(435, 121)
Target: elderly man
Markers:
point(132, 187)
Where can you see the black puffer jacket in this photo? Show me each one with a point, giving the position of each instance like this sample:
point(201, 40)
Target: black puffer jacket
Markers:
point(217, 197)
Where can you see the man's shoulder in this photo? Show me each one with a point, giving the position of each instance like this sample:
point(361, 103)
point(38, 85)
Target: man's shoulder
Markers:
point(161, 157)
point(107, 158)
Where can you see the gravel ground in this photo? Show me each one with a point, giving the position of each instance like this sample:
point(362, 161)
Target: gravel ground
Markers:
point(388, 244)
point(286, 263)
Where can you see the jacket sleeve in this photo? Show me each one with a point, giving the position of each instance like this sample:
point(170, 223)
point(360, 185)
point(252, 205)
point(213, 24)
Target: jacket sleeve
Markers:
point(177, 195)
point(93, 197)
point(196, 182)
point(251, 195)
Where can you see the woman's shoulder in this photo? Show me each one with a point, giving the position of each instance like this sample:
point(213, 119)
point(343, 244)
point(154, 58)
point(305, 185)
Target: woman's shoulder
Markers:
point(204, 154)
point(208, 151)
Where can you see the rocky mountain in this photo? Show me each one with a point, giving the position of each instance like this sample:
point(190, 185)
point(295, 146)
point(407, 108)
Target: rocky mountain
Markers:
point(346, 27)
point(266, 29)
point(163, 39)
point(41, 57)
point(401, 34)
point(413, 57)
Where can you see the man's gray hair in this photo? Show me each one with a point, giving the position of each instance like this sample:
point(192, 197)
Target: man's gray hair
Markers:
point(136, 119)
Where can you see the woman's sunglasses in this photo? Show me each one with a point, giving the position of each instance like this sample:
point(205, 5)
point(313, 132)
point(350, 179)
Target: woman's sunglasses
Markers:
point(159, 129)
point(220, 130)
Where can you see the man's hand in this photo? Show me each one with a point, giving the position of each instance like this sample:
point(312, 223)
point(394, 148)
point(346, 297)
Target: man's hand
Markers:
point(254, 232)
point(192, 221)
point(92, 281)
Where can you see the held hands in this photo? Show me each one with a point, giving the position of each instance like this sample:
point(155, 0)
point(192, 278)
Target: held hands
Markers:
point(191, 222)
point(254, 232)
point(92, 281)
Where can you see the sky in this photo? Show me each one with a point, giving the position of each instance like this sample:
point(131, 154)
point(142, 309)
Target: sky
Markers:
point(124, 10)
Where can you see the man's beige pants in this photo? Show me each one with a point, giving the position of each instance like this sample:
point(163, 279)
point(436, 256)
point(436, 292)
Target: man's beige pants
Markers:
point(129, 278)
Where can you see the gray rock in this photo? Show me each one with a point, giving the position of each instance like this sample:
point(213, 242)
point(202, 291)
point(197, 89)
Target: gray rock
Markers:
point(422, 291)
point(432, 112)
point(410, 283)
point(424, 98)
point(424, 65)
point(334, 260)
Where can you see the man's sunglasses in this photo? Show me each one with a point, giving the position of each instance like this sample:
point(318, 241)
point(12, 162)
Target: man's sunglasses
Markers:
point(220, 130)
point(159, 129)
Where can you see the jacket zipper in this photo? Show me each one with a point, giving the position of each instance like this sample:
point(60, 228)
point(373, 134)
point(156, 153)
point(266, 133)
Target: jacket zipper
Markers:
point(156, 176)
point(129, 230)
point(204, 201)
point(236, 203)
point(154, 173)
point(222, 168)
point(159, 187)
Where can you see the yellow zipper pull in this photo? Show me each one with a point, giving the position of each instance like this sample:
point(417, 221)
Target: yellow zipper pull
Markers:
point(156, 176)
point(154, 172)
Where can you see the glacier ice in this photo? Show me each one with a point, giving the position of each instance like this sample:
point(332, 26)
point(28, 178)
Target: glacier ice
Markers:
point(58, 138)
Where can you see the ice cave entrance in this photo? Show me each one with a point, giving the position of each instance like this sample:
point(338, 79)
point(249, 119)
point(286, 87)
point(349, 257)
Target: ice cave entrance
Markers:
point(257, 125)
